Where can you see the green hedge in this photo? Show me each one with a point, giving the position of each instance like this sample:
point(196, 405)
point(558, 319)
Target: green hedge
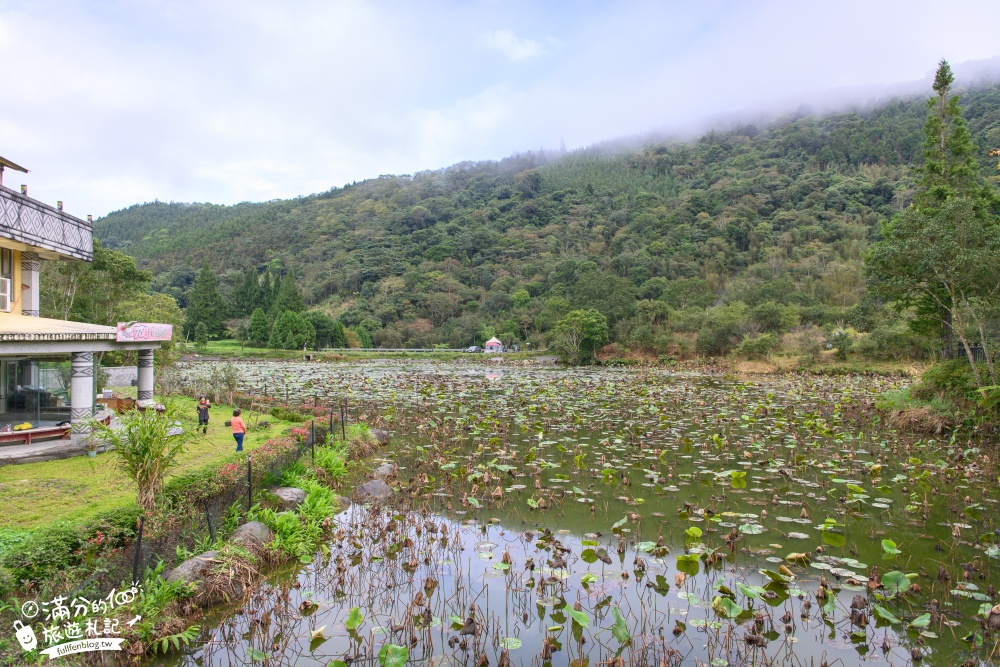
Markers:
point(51, 552)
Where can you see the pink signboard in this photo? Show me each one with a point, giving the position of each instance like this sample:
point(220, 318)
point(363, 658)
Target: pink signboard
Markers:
point(141, 332)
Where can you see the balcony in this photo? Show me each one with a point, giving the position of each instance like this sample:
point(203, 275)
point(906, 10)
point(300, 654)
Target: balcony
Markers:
point(43, 227)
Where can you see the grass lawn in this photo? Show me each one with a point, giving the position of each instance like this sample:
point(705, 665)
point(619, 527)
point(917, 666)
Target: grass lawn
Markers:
point(33, 494)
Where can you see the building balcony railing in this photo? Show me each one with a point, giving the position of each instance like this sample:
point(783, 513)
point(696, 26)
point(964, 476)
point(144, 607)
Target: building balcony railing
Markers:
point(36, 224)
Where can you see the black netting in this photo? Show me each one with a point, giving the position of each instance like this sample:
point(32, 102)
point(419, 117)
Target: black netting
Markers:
point(193, 522)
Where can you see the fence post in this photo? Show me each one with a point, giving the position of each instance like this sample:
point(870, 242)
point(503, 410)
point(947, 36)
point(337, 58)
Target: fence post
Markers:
point(331, 421)
point(208, 520)
point(138, 552)
point(249, 483)
point(312, 426)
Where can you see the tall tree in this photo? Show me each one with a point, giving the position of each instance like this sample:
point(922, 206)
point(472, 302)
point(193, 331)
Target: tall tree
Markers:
point(325, 328)
point(291, 331)
point(92, 292)
point(944, 259)
point(580, 334)
point(259, 329)
point(289, 297)
point(949, 169)
point(950, 166)
point(265, 295)
point(246, 296)
point(205, 305)
point(273, 308)
point(935, 256)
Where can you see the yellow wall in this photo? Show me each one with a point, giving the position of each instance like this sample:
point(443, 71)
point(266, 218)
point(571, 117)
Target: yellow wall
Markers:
point(15, 306)
point(15, 284)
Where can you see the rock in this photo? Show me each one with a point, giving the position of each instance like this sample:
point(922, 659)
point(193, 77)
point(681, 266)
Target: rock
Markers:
point(345, 503)
point(386, 470)
point(376, 489)
point(252, 535)
point(380, 435)
point(289, 496)
point(194, 570)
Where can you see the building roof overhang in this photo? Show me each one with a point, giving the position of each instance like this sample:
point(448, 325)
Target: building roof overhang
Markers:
point(23, 328)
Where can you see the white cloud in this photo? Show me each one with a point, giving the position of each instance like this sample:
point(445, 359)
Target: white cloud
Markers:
point(119, 102)
point(512, 46)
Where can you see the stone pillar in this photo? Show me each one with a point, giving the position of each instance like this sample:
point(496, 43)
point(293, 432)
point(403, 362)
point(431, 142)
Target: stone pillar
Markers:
point(81, 391)
point(144, 381)
point(30, 263)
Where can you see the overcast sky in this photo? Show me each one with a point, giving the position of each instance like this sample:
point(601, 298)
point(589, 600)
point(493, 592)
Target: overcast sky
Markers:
point(115, 102)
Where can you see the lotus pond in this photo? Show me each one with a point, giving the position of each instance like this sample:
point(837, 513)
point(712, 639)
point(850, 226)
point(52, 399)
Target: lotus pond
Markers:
point(632, 517)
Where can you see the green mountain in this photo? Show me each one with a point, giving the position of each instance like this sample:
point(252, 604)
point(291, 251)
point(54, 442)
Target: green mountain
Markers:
point(749, 236)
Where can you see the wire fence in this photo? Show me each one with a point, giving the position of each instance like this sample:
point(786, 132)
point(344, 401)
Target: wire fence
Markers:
point(191, 522)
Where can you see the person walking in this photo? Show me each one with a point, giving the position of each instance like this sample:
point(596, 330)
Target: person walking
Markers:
point(203, 406)
point(239, 429)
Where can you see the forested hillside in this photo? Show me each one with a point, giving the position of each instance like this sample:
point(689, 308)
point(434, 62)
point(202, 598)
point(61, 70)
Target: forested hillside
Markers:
point(745, 239)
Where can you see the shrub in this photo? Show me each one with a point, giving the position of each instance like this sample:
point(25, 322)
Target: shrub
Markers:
point(806, 342)
point(209, 482)
point(286, 414)
point(722, 329)
point(904, 399)
point(758, 347)
point(359, 442)
point(774, 318)
point(298, 534)
point(331, 459)
point(842, 342)
point(144, 450)
point(948, 379)
point(895, 342)
point(45, 553)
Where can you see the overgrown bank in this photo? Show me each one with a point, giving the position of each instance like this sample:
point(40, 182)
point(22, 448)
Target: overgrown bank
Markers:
point(196, 510)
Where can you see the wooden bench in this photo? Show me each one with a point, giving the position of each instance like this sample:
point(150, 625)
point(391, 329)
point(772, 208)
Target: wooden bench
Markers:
point(26, 436)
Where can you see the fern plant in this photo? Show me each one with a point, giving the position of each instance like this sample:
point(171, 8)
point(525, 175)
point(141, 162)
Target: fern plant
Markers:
point(173, 642)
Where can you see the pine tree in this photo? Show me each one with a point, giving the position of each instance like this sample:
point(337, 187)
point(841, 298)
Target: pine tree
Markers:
point(205, 305)
point(291, 331)
point(246, 296)
point(273, 307)
point(201, 336)
point(265, 295)
point(950, 166)
point(932, 256)
point(260, 328)
point(337, 339)
point(288, 297)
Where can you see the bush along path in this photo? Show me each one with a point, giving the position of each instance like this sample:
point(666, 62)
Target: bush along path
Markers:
point(289, 522)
